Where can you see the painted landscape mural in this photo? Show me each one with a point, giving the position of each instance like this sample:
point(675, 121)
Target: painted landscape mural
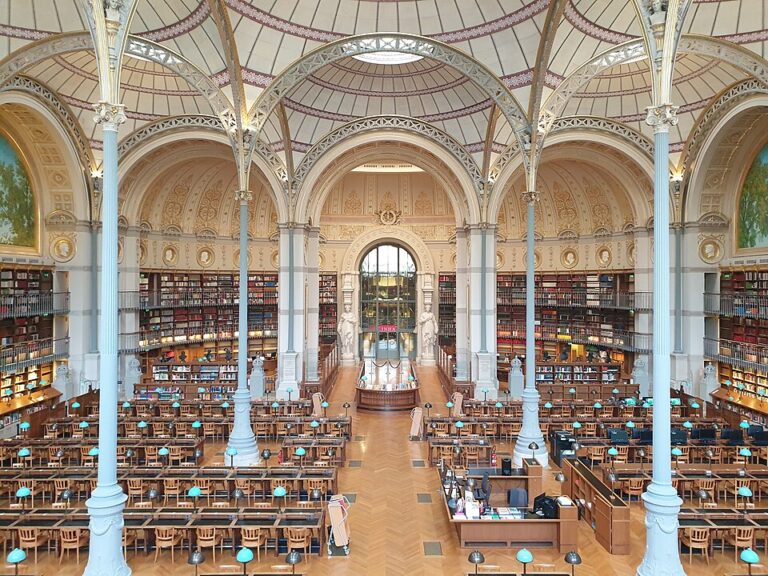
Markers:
point(753, 206)
point(17, 204)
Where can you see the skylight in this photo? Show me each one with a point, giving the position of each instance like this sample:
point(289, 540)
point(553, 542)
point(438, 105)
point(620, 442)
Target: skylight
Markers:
point(388, 58)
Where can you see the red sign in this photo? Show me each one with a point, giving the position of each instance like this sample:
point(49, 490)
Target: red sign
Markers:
point(387, 327)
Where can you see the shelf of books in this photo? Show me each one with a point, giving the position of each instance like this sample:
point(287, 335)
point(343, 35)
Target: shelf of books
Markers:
point(207, 380)
point(201, 310)
point(446, 313)
point(328, 308)
point(26, 350)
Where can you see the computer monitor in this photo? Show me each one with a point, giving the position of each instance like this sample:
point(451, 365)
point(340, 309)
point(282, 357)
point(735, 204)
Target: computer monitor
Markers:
point(731, 434)
point(646, 436)
point(618, 436)
point(704, 434)
point(754, 430)
point(678, 437)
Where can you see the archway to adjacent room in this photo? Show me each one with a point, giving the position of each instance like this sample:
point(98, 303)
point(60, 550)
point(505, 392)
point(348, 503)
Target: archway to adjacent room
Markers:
point(388, 304)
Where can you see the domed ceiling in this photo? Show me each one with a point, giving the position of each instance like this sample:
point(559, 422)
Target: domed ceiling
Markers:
point(531, 46)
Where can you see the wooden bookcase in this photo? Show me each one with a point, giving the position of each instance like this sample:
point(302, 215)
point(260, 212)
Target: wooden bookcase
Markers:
point(328, 312)
point(200, 312)
point(446, 313)
point(26, 368)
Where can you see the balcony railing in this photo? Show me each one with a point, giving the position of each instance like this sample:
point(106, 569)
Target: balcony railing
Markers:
point(33, 352)
point(736, 304)
point(133, 300)
point(750, 356)
point(621, 339)
point(208, 332)
point(614, 300)
point(34, 304)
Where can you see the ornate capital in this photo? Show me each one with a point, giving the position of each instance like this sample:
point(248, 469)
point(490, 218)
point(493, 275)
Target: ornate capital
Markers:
point(244, 196)
point(109, 115)
point(531, 196)
point(661, 117)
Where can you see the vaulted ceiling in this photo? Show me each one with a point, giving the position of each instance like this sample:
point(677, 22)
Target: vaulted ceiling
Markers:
point(262, 38)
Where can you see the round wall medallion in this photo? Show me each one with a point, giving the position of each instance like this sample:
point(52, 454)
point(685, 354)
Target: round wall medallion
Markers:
point(569, 258)
point(63, 249)
point(170, 255)
point(710, 251)
point(536, 259)
point(236, 258)
point(205, 257)
point(499, 260)
point(632, 253)
point(603, 256)
point(142, 253)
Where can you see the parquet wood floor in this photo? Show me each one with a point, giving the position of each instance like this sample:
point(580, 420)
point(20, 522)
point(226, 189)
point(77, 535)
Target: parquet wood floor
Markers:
point(389, 527)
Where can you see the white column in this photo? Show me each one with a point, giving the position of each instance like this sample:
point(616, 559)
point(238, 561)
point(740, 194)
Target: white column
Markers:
point(530, 431)
point(662, 503)
point(290, 332)
point(106, 504)
point(313, 304)
point(482, 310)
point(462, 307)
point(242, 437)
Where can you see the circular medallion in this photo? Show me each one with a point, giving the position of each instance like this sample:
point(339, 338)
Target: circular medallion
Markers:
point(170, 255)
point(63, 249)
point(603, 256)
point(710, 251)
point(205, 257)
point(569, 258)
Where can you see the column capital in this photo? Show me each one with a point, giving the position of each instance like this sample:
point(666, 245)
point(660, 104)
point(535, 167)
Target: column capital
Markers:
point(531, 196)
point(109, 115)
point(661, 117)
point(244, 196)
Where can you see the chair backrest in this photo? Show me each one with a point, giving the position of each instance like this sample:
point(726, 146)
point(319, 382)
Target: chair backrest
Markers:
point(745, 534)
point(298, 535)
point(69, 535)
point(171, 483)
point(28, 534)
point(635, 484)
point(700, 535)
point(250, 532)
point(707, 484)
point(205, 533)
point(164, 533)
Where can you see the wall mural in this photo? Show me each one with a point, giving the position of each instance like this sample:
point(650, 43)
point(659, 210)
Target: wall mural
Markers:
point(17, 203)
point(753, 205)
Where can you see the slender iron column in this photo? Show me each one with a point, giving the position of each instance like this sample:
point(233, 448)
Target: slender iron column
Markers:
point(530, 431)
point(242, 437)
point(662, 503)
point(106, 504)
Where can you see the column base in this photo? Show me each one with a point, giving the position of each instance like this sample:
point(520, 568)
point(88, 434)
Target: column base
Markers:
point(486, 393)
point(242, 437)
point(530, 432)
point(662, 558)
point(288, 391)
point(349, 360)
point(105, 556)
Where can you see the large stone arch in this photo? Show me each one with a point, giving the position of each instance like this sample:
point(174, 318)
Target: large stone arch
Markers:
point(569, 134)
point(405, 238)
point(714, 186)
point(389, 42)
point(131, 205)
point(356, 150)
point(72, 202)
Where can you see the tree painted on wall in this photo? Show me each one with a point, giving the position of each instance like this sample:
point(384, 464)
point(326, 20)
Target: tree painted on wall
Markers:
point(17, 203)
point(753, 206)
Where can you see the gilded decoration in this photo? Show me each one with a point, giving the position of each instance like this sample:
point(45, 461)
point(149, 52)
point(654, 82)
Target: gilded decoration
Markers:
point(711, 248)
point(63, 248)
point(206, 257)
point(170, 255)
point(603, 256)
point(569, 258)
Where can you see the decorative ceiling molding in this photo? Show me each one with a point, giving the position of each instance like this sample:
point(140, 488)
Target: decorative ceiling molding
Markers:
point(604, 125)
point(375, 123)
point(62, 112)
point(294, 75)
point(148, 131)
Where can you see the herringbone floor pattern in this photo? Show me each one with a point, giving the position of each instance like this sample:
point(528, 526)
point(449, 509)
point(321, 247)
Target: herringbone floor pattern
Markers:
point(389, 527)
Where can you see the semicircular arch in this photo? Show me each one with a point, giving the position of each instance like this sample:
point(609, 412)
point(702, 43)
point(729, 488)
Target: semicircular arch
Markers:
point(412, 242)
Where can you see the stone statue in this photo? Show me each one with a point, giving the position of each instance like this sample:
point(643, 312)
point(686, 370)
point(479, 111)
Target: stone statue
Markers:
point(428, 328)
point(347, 330)
point(257, 377)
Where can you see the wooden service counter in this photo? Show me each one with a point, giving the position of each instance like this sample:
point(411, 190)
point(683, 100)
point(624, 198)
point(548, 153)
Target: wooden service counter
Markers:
point(609, 513)
point(530, 477)
point(383, 399)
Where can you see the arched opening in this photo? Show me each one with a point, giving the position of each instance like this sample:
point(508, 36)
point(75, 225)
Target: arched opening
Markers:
point(388, 303)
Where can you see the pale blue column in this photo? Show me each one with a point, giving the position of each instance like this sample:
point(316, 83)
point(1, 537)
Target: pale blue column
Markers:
point(530, 431)
point(242, 437)
point(106, 504)
point(662, 503)
point(462, 304)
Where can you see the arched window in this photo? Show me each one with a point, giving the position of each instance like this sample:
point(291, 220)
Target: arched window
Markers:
point(388, 303)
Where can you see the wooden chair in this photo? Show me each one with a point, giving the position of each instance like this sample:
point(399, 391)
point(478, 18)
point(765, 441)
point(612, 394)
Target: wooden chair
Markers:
point(633, 487)
point(53, 458)
point(739, 537)
point(176, 455)
point(59, 485)
point(252, 537)
point(710, 486)
point(207, 537)
point(171, 487)
point(246, 486)
point(311, 484)
point(263, 430)
point(622, 456)
point(445, 453)
point(596, 455)
point(33, 538)
point(166, 537)
point(210, 431)
point(151, 456)
point(471, 455)
point(135, 489)
point(300, 538)
point(85, 458)
point(590, 429)
point(72, 539)
point(696, 538)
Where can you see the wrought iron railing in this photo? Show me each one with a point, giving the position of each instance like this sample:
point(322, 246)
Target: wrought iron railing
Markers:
point(746, 355)
point(622, 339)
point(206, 332)
point(33, 352)
point(578, 299)
point(34, 304)
point(736, 304)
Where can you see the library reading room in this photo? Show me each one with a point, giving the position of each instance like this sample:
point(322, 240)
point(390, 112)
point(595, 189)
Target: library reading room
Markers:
point(383, 287)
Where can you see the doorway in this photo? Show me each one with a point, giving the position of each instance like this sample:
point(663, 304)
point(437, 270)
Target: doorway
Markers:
point(388, 304)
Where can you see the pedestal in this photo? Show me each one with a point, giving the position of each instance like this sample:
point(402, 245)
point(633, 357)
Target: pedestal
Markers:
point(105, 554)
point(288, 376)
point(242, 438)
point(662, 558)
point(516, 382)
point(530, 431)
point(485, 385)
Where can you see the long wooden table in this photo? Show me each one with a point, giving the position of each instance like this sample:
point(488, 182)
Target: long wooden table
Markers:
point(197, 407)
point(315, 448)
point(436, 443)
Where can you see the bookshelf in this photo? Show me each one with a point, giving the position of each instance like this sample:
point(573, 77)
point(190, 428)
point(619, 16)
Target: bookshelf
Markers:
point(576, 313)
point(200, 312)
point(446, 312)
point(26, 342)
point(175, 380)
point(328, 302)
